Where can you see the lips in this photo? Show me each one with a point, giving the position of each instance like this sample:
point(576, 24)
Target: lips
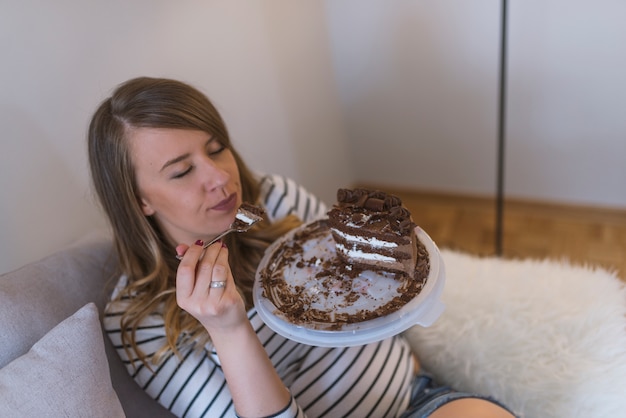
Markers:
point(227, 204)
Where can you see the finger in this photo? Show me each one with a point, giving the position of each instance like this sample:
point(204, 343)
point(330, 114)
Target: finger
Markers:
point(186, 273)
point(217, 284)
point(195, 251)
point(221, 271)
point(219, 280)
point(205, 269)
point(181, 249)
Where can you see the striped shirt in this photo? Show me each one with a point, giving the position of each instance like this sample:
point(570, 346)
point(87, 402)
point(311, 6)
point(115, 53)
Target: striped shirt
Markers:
point(368, 380)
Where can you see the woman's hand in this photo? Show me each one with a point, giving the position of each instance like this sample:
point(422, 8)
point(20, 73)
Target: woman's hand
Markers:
point(206, 289)
point(221, 311)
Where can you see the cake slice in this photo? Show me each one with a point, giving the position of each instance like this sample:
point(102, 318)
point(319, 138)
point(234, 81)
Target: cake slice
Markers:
point(373, 230)
point(247, 215)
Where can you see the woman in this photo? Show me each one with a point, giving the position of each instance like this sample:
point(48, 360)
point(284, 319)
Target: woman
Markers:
point(169, 180)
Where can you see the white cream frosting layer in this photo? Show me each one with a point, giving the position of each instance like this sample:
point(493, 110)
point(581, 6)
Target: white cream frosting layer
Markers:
point(353, 253)
point(374, 242)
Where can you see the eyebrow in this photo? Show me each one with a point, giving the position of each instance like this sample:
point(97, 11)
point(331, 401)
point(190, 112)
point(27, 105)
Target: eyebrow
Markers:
point(174, 161)
point(184, 156)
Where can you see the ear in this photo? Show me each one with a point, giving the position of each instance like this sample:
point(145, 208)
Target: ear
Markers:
point(146, 207)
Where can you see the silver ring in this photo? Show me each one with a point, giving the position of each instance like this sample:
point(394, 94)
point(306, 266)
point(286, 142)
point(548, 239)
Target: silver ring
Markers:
point(217, 285)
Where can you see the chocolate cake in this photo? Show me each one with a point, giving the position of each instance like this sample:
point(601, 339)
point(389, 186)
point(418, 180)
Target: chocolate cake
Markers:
point(312, 283)
point(372, 229)
point(247, 215)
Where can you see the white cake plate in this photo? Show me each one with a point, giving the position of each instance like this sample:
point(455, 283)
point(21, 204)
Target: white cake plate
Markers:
point(422, 310)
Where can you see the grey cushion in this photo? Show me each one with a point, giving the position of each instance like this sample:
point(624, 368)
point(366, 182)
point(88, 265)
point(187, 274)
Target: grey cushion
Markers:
point(38, 296)
point(65, 373)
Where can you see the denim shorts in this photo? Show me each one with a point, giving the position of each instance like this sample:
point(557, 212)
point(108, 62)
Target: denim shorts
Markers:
point(427, 396)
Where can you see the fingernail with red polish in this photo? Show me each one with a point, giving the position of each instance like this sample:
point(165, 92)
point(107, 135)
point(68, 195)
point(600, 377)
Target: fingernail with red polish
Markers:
point(200, 243)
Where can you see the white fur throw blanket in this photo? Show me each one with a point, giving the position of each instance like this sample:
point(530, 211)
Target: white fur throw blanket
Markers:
point(546, 338)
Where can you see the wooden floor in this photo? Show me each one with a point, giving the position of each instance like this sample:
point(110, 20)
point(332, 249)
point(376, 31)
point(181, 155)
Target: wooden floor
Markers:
point(580, 235)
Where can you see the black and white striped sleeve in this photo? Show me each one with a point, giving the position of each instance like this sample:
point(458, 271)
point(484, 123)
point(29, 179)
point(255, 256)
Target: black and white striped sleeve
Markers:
point(282, 196)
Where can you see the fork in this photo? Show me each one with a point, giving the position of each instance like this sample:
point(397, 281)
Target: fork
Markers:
point(247, 215)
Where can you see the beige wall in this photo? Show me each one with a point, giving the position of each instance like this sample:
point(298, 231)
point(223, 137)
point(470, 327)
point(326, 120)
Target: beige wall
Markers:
point(418, 82)
point(567, 130)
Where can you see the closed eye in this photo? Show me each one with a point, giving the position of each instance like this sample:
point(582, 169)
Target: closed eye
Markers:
point(215, 147)
point(183, 173)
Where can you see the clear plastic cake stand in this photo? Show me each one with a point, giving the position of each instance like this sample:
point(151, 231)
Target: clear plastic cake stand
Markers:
point(423, 309)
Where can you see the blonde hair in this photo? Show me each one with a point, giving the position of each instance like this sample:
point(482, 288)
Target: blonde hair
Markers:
point(145, 255)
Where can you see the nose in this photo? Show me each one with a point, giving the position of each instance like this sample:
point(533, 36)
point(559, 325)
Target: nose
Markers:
point(214, 176)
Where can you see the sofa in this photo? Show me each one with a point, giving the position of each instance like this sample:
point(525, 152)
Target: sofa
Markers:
point(545, 337)
point(55, 360)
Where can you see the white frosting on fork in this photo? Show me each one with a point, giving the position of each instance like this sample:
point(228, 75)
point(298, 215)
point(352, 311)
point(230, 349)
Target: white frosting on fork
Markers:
point(244, 218)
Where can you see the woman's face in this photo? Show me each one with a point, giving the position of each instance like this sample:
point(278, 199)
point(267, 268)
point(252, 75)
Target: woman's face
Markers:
point(188, 182)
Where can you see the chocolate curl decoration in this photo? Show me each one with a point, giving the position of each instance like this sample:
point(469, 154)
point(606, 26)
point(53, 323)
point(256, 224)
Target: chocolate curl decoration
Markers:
point(399, 212)
point(406, 226)
point(388, 201)
point(375, 194)
point(360, 202)
point(402, 216)
point(344, 196)
point(375, 204)
point(372, 200)
point(393, 201)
